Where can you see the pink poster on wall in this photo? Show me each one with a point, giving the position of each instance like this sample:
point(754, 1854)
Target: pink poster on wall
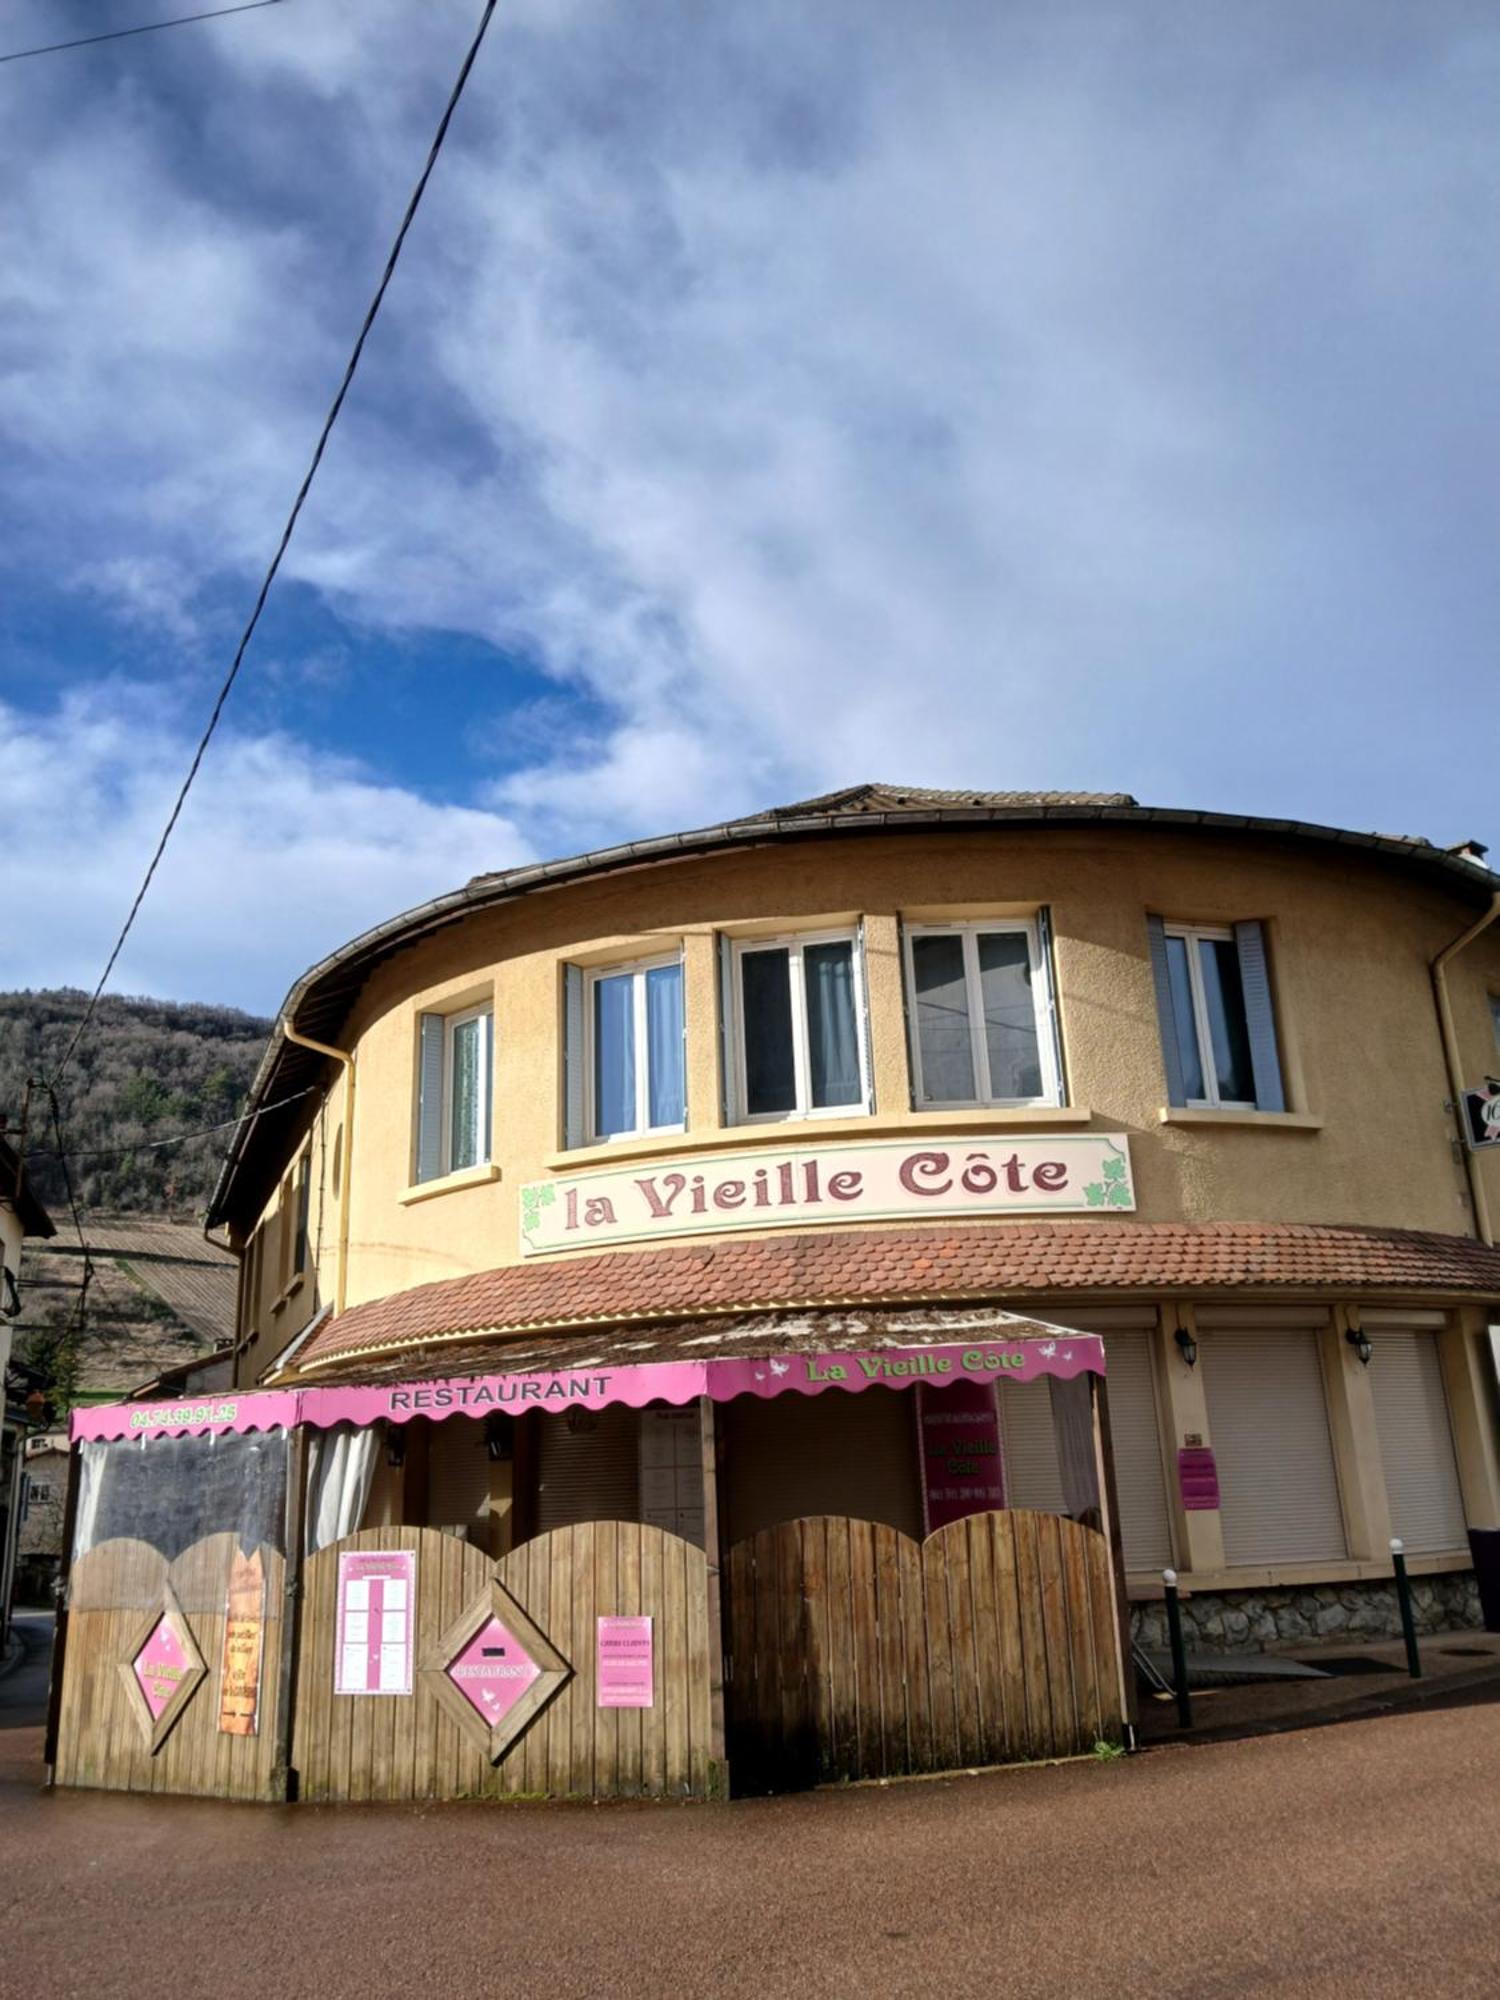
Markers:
point(625, 1663)
point(959, 1428)
point(377, 1613)
point(1198, 1476)
point(159, 1667)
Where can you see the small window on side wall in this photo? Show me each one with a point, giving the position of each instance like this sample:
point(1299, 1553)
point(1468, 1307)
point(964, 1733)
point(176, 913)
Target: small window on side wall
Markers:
point(980, 1004)
point(455, 1092)
point(798, 1027)
point(1218, 1026)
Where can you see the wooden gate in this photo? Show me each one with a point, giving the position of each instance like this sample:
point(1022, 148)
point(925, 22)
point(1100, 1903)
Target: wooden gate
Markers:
point(116, 1595)
point(410, 1747)
point(855, 1652)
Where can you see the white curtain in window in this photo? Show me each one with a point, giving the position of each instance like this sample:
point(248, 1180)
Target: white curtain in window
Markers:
point(90, 1486)
point(341, 1467)
point(664, 1041)
point(832, 1033)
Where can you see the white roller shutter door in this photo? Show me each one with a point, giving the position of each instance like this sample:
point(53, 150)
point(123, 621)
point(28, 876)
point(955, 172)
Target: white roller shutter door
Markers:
point(588, 1468)
point(1279, 1493)
point(1416, 1440)
point(1028, 1445)
point(1145, 1526)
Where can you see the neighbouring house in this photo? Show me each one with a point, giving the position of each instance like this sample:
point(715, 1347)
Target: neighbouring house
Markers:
point(22, 1219)
point(745, 1207)
point(160, 1319)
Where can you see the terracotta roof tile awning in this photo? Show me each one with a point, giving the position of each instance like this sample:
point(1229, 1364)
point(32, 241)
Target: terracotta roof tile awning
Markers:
point(871, 1267)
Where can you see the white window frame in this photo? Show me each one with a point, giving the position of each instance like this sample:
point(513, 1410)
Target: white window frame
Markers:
point(794, 943)
point(483, 1096)
point(637, 968)
point(1193, 934)
point(1043, 999)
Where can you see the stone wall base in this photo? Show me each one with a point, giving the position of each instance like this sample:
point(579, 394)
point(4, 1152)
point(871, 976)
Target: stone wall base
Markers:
point(1249, 1621)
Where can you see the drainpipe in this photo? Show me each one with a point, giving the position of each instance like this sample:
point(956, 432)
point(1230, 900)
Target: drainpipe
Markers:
point(1482, 1224)
point(345, 1057)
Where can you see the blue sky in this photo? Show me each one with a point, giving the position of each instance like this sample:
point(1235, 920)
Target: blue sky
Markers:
point(770, 398)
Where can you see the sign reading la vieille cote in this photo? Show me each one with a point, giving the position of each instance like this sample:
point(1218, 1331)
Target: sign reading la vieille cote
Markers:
point(1063, 1173)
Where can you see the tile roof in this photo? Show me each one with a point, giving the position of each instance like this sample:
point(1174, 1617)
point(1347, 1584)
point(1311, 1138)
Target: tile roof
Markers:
point(878, 798)
point(160, 1295)
point(852, 1267)
point(197, 1279)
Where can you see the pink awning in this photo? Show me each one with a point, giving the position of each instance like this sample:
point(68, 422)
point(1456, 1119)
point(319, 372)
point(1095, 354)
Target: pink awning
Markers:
point(596, 1383)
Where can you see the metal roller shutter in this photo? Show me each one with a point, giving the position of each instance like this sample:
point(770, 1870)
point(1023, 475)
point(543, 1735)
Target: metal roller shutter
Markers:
point(1029, 1448)
point(588, 1468)
point(458, 1476)
point(829, 1454)
point(1416, 1440)
point(1145, 1525)
point(1269, 1421)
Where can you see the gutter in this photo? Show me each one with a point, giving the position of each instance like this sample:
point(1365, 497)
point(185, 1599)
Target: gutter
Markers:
point(345, 1056)
point(1483, 1227)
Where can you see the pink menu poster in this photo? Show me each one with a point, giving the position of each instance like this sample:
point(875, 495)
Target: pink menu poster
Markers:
point(959, 1427)
point(624, 1661)
point(376, 1623)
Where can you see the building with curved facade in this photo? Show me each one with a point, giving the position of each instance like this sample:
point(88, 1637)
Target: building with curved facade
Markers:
point(887, 1060)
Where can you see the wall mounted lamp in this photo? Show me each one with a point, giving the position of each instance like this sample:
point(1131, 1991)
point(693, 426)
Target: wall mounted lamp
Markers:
point(497, 1438)
point(1188, 1345)
point(1359, 1340)
point(395, 1446)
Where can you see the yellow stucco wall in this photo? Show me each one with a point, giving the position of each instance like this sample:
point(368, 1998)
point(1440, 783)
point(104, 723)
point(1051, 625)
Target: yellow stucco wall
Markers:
point(1367, 1140)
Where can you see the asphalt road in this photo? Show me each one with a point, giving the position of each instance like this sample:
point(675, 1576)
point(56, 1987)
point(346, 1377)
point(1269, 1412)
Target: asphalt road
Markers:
point(1361, 1860)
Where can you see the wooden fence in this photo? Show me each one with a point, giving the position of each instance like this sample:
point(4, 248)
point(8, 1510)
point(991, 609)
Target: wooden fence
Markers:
point(855, 1652)
point(104, 1737)
point(409, 1747)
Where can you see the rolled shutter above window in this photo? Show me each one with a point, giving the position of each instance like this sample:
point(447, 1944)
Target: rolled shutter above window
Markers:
point(1156, 932)
point(1260, 1017)
point(430, 1098)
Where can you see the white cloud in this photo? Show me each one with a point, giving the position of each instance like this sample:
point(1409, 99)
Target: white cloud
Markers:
point(1015, 396)
point(281, 854)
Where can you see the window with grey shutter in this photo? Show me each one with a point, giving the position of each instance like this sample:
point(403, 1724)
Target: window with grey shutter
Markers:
point(1156, 932)
point(430, 1098)
point(1218, 1022)
point(1260, 1017)
point(727, 1093)
point(575, 1059)
point(1048, 1023)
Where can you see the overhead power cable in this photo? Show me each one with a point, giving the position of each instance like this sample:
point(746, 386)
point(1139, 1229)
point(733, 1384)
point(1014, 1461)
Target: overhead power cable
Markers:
point(291, 522)
point(177, 1138)
point(147, 28)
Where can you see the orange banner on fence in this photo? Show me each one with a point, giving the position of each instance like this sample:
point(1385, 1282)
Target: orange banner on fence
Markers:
point(244, 1645)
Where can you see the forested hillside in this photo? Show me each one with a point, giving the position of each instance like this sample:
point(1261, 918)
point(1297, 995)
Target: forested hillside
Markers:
point(144, 1070)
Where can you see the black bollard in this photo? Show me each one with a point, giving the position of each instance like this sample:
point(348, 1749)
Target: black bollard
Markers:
point(1179, 1650)
point(1408, 1621)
